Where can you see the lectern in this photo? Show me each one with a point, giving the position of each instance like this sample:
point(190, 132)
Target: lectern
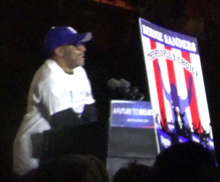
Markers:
point(132, 134)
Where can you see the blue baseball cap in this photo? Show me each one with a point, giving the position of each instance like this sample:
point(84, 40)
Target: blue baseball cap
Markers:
point(59, 36)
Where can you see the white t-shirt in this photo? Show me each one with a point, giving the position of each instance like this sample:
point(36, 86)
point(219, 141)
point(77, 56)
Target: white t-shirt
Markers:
point(52, 90)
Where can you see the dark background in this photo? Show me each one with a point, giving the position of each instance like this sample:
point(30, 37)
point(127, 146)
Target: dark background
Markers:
point(115, 50)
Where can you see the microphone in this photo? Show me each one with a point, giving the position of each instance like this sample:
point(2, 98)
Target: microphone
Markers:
point(134, 92)
point(137, 94)
point(124, 89)
point(113, 83)
point(124, 83)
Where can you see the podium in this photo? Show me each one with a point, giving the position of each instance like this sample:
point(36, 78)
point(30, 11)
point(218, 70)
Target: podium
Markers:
point(132, 135)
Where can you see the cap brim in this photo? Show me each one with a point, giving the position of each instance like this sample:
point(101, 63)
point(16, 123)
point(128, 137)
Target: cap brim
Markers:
point(85, 37)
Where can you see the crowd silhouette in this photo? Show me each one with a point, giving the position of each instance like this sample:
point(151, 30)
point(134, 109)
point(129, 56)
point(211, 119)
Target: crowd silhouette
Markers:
point(181, 162)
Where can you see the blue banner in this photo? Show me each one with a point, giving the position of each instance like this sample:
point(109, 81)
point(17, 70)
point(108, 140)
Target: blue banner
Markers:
point(135, 114)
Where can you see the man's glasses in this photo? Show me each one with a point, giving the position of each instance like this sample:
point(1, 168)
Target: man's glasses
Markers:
point(79, 45)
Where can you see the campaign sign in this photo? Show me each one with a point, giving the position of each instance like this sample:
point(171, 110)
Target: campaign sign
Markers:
point(165, 140)
point(210, 144)
point(195, 138)
point(134, 114)
point(175, 80)
point(182, 139)
point(171, 128)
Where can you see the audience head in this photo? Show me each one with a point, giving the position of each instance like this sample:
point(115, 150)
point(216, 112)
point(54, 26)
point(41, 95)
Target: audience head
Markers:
point(71, 168)
point(184, 162)
point(132, 173)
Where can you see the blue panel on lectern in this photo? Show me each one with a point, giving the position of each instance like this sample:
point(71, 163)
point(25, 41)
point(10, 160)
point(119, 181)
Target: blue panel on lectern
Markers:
point(134, 114)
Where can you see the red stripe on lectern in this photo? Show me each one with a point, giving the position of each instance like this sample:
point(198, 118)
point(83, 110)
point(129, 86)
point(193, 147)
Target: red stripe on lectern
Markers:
point(159, 89)
point(194, 105)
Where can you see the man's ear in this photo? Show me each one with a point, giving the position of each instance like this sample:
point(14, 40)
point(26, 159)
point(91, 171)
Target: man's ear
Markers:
point(58, 51)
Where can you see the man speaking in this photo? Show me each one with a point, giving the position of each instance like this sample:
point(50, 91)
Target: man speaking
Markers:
point(60, 90)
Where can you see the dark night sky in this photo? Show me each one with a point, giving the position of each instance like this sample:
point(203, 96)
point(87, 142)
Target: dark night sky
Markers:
point(114, 52)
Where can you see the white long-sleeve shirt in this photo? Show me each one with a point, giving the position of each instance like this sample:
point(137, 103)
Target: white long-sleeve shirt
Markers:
point(52, 90)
